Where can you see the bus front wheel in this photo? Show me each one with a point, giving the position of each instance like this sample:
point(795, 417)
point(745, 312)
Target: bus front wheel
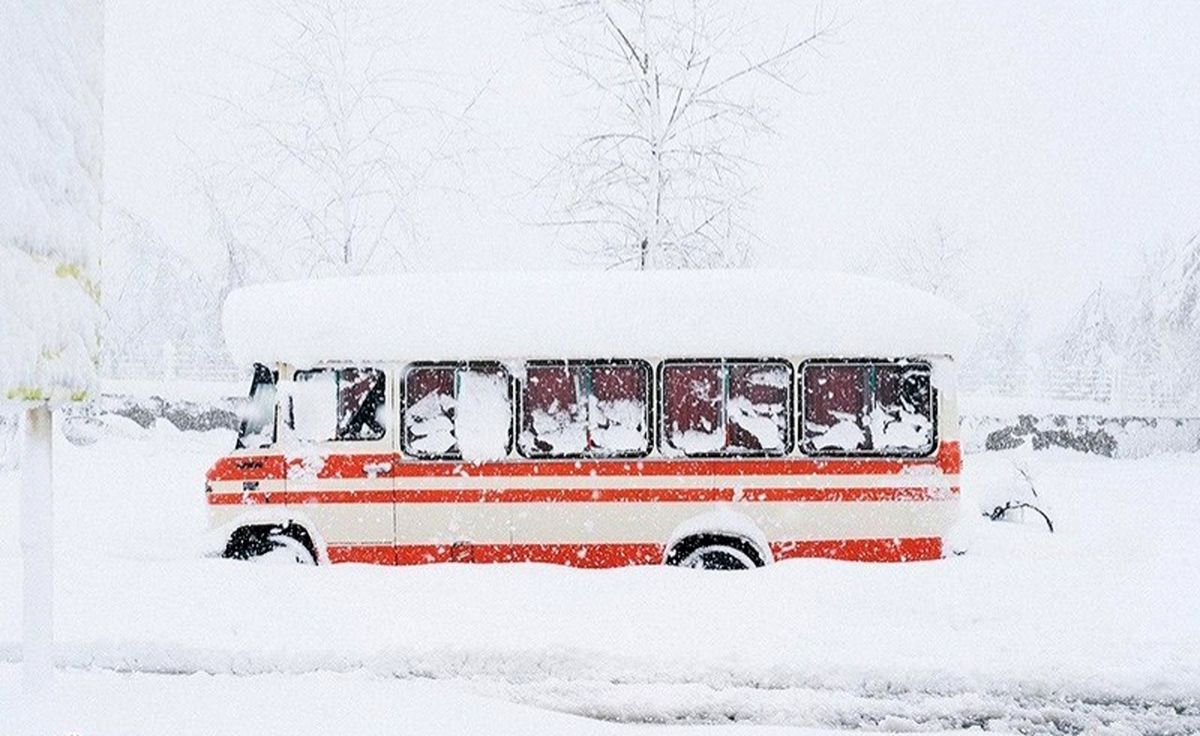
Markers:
point(285, 544)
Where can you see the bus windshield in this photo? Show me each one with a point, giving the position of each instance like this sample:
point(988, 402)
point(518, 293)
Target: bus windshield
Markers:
point(257, 426)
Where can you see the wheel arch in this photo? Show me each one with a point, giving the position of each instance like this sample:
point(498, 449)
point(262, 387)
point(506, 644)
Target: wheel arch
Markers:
point(232, 538)
point(721, 526)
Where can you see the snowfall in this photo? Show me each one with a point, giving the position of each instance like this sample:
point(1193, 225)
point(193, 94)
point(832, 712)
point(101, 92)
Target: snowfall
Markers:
point(1094, 628)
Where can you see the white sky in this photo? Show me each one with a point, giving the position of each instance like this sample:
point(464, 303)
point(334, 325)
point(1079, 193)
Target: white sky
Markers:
point(1059, 138)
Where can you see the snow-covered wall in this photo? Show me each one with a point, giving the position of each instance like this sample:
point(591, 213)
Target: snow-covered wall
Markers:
point(1110, 436)
point(51, 148)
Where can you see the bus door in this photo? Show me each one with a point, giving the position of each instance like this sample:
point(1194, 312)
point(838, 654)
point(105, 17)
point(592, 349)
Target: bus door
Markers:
point(340, 463)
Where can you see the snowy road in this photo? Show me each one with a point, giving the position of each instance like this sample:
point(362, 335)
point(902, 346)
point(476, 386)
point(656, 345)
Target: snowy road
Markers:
point(99, 701)
point(1093, 627)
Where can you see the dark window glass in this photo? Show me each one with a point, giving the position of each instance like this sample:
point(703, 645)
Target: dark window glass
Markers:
point(693, 399)
point(256, 428)
point(339, 404)
point(867, 408)
point(617, 407)
point(758, 407)
point(362, 397)
point(726, 408)
point(457, 410)
point(429, 411)
point(585, 409)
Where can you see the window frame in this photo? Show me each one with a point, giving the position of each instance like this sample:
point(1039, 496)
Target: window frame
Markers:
point(383, 372)
point(934, 436)
point(402, 406)
point(651, 390)
point(790, 410)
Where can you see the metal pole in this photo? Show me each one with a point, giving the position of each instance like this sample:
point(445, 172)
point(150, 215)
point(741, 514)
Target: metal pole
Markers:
point(37, 548)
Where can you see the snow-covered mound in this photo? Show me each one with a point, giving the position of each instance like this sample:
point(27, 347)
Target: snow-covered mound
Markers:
point(50, 160)
point(47, 329)
point(589, 314)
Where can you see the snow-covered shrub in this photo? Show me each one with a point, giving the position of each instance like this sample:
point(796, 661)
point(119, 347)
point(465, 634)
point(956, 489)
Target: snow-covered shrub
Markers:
point(50, 163)
point(1109, 436)
point(1011, 495)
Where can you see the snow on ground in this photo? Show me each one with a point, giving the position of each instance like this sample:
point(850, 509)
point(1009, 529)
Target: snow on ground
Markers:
point(102, 703)
point(174, 388)
point(1092, 627)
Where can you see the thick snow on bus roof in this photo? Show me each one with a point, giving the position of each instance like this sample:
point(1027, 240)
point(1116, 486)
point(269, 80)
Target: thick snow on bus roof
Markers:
point(589, 314)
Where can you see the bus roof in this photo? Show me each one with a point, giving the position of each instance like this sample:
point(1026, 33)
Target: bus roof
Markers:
point(589, 314)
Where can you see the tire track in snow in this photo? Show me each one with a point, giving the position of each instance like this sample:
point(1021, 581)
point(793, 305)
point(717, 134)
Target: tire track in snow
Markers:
point(630, 691)
point(899, 709)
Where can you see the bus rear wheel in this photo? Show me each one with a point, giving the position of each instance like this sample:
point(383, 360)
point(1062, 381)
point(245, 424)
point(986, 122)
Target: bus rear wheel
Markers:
point(714, 552)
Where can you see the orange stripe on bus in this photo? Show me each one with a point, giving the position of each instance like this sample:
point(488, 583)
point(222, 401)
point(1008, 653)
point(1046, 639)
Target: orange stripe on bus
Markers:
point(622, 554)
point(391, 465)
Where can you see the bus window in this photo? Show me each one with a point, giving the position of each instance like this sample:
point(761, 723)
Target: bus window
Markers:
point(429, 412)
point(759, 407)
point(693, 399)
point(726, 408)
point(875, 408)
point(338, 404)
point(256, 428)
point(585, 409)
point(362, 400)
point(617, 408)
point(456, 411)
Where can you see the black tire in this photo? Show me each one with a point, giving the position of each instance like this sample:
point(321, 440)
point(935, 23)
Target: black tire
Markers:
point(715, 552)
point(280, 543)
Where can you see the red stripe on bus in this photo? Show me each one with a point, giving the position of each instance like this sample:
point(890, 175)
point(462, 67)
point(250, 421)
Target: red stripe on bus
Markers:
point(390, 465)
point(623, 554)
point(862, 550)
point(585, 495)
point(364, 496)
point(248, 499)
point(372, 554)
point(249, 467)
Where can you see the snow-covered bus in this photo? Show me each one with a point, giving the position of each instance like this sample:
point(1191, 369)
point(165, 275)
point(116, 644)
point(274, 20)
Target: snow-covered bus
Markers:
point(712, 419)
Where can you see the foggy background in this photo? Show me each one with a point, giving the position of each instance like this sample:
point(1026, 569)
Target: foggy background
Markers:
point(1044, 158)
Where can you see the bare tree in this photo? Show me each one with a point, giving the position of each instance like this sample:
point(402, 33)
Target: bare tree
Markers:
point(938, 260)
point(157, 303)
point(1178, 306)
point(662, 179)
point(1002, 360)
point(332, 151)
point(1176, 315)
point(231, 211)
point(1144, 339)
point(1091, 339)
